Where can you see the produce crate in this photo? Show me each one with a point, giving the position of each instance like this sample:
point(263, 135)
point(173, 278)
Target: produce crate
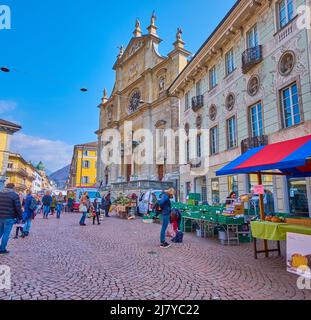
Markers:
point(230, 220)
point(245, 238)
point(194, 196)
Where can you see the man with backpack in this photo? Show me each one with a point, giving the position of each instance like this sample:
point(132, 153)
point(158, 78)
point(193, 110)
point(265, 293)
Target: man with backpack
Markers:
point(30, 207)
point(10, 211)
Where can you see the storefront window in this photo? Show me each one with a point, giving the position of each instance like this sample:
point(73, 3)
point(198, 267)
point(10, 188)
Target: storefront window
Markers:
point(267, 181)
point(233, 185)
point(298, 199)
point(215, 191)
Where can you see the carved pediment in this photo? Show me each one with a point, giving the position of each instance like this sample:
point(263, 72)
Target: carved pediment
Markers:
point(134, 46)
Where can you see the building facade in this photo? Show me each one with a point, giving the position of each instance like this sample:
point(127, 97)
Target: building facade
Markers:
point(7, 129)
point(249, 85)
point(21, 173)
point(140, 96)
point(83, 167)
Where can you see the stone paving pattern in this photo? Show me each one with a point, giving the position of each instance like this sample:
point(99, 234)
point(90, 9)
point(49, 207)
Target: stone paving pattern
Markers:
point(122, 260)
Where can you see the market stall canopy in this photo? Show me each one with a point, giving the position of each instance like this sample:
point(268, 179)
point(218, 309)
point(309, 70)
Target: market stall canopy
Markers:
point(291, 157)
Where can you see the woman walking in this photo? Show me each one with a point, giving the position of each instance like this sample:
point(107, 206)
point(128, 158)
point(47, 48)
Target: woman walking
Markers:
point(53, 205)
point(60, 201)
point(85, 207)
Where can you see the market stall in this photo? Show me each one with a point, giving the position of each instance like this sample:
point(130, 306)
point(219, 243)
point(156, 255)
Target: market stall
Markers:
point(125, 207)
point(290, 158)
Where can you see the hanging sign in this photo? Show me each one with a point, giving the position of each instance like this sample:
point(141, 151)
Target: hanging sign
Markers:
point(260, 189)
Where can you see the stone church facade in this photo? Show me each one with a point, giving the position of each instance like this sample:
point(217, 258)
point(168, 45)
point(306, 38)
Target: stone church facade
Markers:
point(140, 96)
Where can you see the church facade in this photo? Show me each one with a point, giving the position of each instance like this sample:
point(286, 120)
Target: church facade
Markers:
point(140, 97)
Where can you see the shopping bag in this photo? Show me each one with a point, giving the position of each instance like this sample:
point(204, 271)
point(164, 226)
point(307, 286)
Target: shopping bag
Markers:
point(170, 231)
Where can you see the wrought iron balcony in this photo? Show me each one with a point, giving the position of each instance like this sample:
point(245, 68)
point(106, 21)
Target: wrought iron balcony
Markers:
point(254, 142)
point(197, 103)
point(251, 57)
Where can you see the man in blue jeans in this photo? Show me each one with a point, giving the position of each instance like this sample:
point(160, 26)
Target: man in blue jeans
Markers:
point(47, 201)
point(164, 206)
point(10, 212)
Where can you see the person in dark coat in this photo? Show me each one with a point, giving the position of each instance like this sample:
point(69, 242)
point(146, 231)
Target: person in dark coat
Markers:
point(10, 212)
point(29, 214)
point(47, 201)
point(164, 207)
point(106, 204)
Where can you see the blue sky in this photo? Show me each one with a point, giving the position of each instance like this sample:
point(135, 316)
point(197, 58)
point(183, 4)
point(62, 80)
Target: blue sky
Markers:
point(56, 47)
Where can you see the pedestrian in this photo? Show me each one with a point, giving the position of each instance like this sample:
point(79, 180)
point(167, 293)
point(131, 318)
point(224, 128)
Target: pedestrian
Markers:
point(29, 213)
point(10, 211)
point(21, 198)
point(85, 207)
point(106, 204)
point(39, 205)
point(53, 205)
point(60, 200)
point(70, 203)
point(47, 201)
point(164, 206)
point(19, 228)
point(96, 214)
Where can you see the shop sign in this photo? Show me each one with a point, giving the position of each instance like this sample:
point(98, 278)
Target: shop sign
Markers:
point(260, 189)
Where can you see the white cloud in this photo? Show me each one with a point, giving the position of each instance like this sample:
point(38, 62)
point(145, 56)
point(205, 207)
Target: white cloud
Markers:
point(53, 153)
point(7, 106)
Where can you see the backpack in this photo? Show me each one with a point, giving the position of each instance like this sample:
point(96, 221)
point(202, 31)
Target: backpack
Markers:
point(33, 204)
point(178, 238)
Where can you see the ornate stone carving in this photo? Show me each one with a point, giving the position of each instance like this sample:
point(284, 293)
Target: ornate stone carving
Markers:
point(230, 101)
point(287, 63)
point(162, 83)
point(253, 85)
point(187, 128)
point(213, 112)
point(199, 122)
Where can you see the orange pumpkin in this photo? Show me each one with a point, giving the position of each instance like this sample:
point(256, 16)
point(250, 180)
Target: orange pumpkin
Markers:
point(268, 218)
point(276, 220)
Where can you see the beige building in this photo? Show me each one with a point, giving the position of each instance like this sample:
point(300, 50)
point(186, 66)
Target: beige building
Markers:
point(140, 95)
point(248, 85)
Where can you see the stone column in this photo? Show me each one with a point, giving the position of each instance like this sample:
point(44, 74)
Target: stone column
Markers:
point(308, 180)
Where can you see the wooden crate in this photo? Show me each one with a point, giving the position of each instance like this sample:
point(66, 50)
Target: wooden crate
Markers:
point(298, 221)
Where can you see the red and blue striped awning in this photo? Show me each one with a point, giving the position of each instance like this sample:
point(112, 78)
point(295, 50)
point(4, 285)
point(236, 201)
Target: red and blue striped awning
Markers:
point(291, 157)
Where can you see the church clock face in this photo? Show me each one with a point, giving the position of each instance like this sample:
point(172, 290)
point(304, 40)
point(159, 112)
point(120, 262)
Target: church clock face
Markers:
point(134, 101)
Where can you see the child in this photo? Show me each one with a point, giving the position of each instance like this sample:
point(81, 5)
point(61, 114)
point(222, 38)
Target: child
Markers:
point(20, 226)
point(96, 215)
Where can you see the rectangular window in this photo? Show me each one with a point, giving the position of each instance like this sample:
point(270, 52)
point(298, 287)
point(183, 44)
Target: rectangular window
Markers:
point(85, 180)
point(230, 62)
point(256, 120)
point(10, 165)
point(252, 38)
point(199, 88)
point(285, 12)
point(215, 191)
point(231, 133)
point(233, 184)
point(214, 140)
point(188, 151)
point(290, 106)
point(199, 146)
point(298, 197)
point(86, 164)
point(212, 78)
point(187, 101)
point(85, 153)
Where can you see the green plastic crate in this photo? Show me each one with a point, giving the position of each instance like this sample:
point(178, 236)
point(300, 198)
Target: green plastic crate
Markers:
point(230, 220)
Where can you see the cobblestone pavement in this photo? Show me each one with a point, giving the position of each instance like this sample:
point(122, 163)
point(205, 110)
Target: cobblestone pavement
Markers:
point(122, 260)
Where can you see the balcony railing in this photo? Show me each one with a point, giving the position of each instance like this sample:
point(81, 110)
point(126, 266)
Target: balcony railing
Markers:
point(19, 171)
point(254, 142)
point(197, 103)
point(251, 57)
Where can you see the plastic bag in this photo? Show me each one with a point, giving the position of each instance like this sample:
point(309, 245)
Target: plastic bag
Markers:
point(170, 231)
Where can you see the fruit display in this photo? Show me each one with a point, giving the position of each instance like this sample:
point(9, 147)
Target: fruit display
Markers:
point(123, 201)
point(275, 219)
